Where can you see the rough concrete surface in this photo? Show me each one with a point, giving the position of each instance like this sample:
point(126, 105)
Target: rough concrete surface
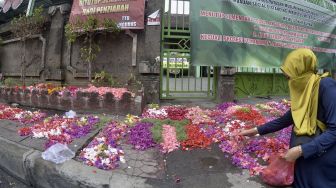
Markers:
point(209, 168)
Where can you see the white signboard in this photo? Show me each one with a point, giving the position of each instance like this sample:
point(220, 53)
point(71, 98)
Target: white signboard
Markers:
point(154, 18)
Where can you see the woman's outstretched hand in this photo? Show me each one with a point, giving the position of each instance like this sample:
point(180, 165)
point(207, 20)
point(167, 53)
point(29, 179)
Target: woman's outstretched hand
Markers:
point(248, 132)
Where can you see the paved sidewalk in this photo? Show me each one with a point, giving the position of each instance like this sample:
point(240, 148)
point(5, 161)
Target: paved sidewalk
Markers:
point(196, 168)
point(211, 168)
point(7, 181)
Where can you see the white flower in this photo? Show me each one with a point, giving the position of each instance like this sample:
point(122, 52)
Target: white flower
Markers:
point(90, 154)
point(63, 124)
point(38, 134)
point(113, 150)
point(107, 152)
point(55, 131)
point(153, 111)
point(101, 139)
point(105, 161)
point(83, 119)
point(122, 159)
point(18, 116)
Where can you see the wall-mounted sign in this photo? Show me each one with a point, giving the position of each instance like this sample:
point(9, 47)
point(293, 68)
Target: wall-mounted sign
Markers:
point(128, 14)
point(154, 18)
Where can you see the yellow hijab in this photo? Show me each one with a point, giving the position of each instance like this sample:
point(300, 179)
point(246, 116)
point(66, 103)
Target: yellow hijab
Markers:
point(300, 65)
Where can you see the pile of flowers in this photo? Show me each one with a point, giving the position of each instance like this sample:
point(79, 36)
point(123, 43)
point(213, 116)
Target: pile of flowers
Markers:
point(176, 112)
point(60, 129)
point(249, 115)
point(196, 139)
point(221, 125)
point(104, 150)
point(7, 112)
point(275, 109)
point(140, 136)
point(224, 106)
point(131, 119)
point(198, 116)
point(245, 151)
point(20, 115)
point(168, 128)
point(71, 89)
point(153, 113)
point(117, 92)
point(170, 142)
point(29, 117)
point(41, 86)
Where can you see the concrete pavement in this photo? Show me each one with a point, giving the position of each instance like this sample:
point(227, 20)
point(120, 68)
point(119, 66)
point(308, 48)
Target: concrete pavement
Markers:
point(7, 181)
point(21, 157)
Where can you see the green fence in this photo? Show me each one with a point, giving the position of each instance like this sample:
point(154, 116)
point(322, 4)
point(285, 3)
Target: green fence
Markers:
point(178, 77)
point(263, 82)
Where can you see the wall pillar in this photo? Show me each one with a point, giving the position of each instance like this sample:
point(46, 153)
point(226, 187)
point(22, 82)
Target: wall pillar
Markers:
point(150, 71)
point(226, 84)
point(53, 70)
point(148, 54)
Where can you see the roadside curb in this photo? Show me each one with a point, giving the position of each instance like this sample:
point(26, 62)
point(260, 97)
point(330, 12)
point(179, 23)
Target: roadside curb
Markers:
point(27, 165)
point(12, 157)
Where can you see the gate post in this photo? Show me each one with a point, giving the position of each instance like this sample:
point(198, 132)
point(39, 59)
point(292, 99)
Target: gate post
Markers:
point(151, 81)
point(226, 83)
point(148, 53)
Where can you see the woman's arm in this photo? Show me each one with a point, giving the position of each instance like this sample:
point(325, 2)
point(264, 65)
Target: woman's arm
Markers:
point(277, 124)
point(272, 126)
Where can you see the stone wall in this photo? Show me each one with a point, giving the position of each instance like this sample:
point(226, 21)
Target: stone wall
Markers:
point(81, 102)
point(114, 57)
point(50, 58)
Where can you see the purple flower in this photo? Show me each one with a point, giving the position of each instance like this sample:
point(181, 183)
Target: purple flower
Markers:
point(140, 136)
point(225, 105)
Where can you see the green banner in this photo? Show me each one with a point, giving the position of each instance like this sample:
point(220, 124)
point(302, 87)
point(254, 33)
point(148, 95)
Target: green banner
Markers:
point(260, 33)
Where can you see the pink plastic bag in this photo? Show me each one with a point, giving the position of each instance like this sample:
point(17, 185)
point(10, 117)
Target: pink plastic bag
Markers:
point(279, 172)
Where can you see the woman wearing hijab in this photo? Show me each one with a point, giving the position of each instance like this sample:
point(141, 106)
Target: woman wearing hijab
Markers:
point(313, 110)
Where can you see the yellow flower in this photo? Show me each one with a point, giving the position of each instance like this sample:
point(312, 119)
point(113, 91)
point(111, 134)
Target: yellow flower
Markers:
point(131, 119)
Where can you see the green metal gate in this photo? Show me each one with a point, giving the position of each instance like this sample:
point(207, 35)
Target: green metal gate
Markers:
point(178, 77)
point(260, 82)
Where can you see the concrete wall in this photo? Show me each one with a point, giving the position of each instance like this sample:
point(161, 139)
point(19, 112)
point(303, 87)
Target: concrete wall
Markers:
point(81, 102)
point(10, 57)
point(51, 58)
point(115, 58)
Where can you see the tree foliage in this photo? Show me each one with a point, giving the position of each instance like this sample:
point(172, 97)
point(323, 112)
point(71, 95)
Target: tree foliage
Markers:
point(89, 29)
point(25, 27)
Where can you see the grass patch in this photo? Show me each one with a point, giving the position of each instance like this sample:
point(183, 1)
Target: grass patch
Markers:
point(157, 128)
point(103, 120)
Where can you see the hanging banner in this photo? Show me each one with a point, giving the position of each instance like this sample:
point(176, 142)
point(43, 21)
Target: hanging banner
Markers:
point(128, 14)
point(7, 4)
point(260, 33)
